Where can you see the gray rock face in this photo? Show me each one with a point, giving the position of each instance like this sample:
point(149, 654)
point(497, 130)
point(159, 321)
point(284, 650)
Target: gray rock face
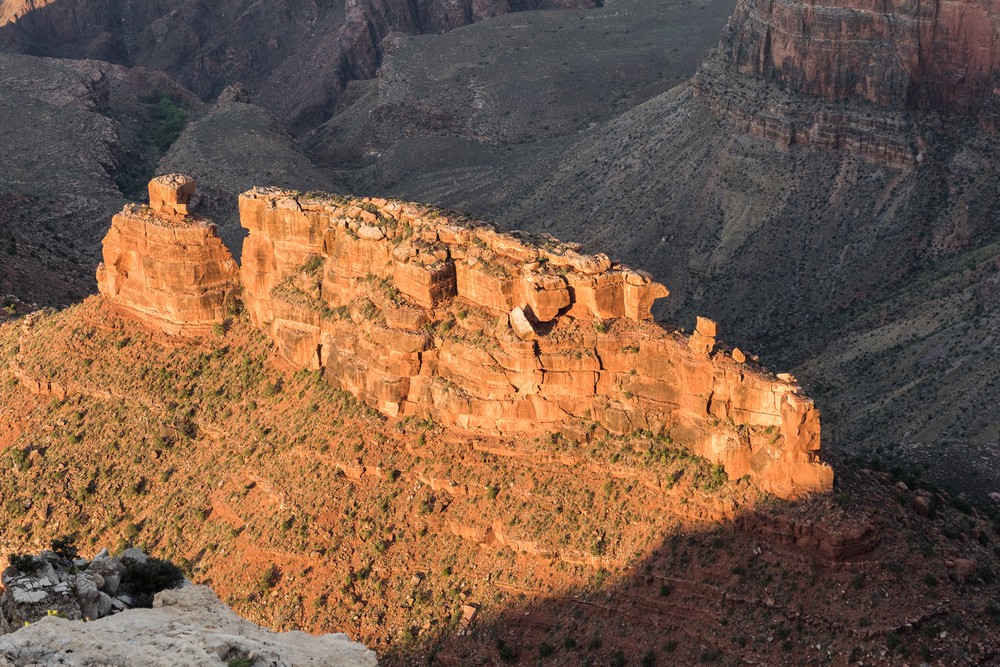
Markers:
point(186, 626)
point(30, 596)
point(53, 586)
point(109, 569)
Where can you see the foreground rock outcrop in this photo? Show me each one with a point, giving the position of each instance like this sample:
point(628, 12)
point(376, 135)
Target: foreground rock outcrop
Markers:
point(165, 267)
point(423, 313)
point(77, 589)
point(187, 626)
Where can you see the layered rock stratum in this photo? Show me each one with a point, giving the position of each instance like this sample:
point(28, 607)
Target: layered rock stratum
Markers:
point(423, 313)
point(899, 55)
point(164, 266)
point(868, 77)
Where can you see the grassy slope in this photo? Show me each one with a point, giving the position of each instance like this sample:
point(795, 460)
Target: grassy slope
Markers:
point(201, 449)
point(306, 510)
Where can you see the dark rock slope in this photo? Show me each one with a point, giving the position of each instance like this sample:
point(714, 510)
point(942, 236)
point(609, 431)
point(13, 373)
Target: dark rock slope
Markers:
point(295, 55)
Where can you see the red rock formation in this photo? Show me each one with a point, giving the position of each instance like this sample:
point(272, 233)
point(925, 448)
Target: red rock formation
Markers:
point(849, 74)
point(422, 313)
point(167, 269)
point(900, 55)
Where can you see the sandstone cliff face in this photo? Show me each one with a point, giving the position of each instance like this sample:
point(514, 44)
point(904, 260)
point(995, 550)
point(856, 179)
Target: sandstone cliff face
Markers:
point(849, 74)
point(425, 314)
point(164, 267)
point(900, 55)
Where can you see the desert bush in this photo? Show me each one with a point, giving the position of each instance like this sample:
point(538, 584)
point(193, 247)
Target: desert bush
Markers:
point(167, 119)
point(24, 563)
point(144, 580)
point(64, 547)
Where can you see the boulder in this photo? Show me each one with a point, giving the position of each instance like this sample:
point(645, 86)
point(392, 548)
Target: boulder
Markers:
point(170, 195)
point(87, 595)
point(521, 325)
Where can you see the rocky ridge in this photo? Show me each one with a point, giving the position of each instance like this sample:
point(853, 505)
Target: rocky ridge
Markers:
point(59, 584)
point(296, 60)
point(421, 313)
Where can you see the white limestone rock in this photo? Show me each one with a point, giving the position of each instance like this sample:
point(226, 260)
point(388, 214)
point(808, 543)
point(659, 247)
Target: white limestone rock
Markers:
point(187, 626)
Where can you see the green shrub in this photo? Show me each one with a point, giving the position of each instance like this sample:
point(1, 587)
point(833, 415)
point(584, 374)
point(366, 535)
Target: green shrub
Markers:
point(24, 563)
point(507, 654)
point(167, 119)
point(143, 580)
point(312, 264)
point(64, 547)
point(270, 578)
point(712, 478)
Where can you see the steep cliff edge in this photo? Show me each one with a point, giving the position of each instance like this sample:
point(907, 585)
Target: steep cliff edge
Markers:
point(165, 267)
point(423, 313)
point(873, 78)
point(900, 55)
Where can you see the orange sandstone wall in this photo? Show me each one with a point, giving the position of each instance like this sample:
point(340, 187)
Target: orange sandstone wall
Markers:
point(424, 313)
point(165, 268)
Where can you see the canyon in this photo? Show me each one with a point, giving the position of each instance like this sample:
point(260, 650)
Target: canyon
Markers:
point(304, 508)
point(425, 314)
point(297, 58)
point(317, 432)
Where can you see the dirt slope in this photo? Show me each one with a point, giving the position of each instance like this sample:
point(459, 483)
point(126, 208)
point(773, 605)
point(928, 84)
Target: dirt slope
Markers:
point(304, 510)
